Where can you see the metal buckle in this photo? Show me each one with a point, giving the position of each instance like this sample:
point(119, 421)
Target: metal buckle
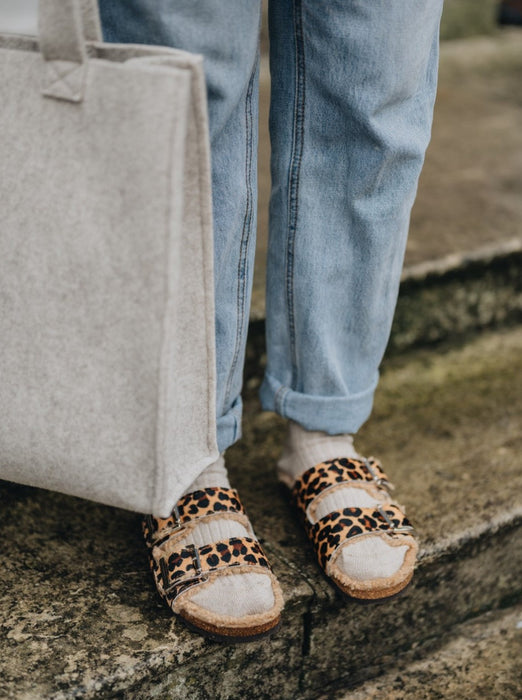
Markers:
point(177, 520)
point(391, 526)
point(196, 575)
point(378, 479)
point(196, 561)
point(165, 534)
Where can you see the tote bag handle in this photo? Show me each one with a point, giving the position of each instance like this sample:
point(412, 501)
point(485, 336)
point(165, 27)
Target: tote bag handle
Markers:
point(63, 27)
point(91, 20)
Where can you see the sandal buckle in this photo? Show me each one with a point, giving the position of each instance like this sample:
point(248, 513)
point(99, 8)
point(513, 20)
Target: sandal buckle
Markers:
point(177, 520)
point(378, 480)
point(196, 561)
point(158, 538)
point(394, 528)
point(193, 578)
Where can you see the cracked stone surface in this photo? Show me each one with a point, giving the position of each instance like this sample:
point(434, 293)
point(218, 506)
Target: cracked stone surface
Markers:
point(80, 617)
point(481, 659)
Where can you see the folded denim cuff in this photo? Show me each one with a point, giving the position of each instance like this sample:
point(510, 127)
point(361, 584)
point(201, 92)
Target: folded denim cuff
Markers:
point(334, 415)
point(229, 426)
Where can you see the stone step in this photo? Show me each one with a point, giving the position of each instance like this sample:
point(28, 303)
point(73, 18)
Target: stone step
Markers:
point(481, 658)
point(458, 293)
point(443, 298)
point(80, 617)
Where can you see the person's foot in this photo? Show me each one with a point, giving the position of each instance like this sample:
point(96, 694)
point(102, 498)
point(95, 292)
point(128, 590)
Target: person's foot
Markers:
point(362, 539)
point(209, 566)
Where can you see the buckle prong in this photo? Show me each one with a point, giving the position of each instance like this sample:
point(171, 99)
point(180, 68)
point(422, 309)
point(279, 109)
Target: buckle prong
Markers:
point(177, 519)
point(196, 561)
point(386, 517)
point(379, 480)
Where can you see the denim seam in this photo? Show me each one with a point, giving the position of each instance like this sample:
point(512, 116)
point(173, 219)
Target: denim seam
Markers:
point(245, 234)
point(294, 177)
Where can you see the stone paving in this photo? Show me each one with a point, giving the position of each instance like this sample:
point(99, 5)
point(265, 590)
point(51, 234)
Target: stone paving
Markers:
point(80, 617)
point(481, 659)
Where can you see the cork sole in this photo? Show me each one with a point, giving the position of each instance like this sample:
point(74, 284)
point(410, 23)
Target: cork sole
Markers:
point(379, 601)
point(380, 595)
point(232, 635)
point(221, 633)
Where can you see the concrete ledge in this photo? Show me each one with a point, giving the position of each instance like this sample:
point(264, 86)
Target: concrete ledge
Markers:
point(481, 658)
point(80, 617)
point(441, 299)
point(328, 643)
point(457, 294)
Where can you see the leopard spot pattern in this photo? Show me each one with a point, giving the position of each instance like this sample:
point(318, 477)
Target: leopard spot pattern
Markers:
point(198, 504)
point(333, 472)
point(179, 571)
point(330, 532)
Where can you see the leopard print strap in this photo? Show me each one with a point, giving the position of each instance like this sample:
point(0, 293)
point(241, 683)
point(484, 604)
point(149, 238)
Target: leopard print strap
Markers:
point(333, 472)
point(328, 533)
point(192, 506)
point(191, 565)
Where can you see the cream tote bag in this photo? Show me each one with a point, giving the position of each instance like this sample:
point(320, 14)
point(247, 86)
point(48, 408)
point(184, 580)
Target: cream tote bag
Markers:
point(107, 367)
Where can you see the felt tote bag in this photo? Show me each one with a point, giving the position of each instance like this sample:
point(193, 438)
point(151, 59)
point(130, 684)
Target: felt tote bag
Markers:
point(107, 367)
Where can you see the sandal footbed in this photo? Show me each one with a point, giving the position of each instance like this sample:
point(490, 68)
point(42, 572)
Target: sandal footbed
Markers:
point(372, 589)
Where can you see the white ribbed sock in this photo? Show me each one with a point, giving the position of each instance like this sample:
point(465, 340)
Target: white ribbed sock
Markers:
point(364, 559)
point(234, 595)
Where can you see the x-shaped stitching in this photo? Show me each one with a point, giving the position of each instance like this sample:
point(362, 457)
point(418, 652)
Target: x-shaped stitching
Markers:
point(58, 75)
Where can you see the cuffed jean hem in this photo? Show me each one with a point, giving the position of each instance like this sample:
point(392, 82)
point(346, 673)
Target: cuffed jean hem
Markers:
point(335, 415)
point(229, 426)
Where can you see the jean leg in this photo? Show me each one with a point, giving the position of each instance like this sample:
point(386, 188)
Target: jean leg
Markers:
point(227, 35)
point(353, 88)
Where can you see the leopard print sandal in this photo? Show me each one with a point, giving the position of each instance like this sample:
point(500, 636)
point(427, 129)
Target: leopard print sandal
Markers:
point(180, 571)
point(335, 530)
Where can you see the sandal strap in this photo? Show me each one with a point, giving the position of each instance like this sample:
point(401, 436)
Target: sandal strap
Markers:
point(337, 471)
point(192, 565)
point(331, 531)
point(198, 504)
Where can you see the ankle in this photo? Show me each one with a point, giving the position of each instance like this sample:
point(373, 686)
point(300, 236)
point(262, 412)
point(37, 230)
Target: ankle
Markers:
point(306, 448)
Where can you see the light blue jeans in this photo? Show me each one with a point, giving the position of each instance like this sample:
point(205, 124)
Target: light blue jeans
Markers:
point(353, 87)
